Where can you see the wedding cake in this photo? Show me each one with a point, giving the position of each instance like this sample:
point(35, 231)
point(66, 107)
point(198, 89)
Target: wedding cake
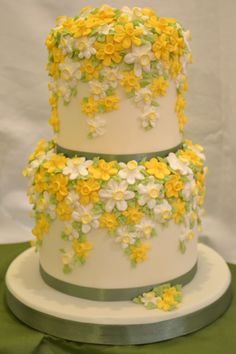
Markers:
point(118, 193)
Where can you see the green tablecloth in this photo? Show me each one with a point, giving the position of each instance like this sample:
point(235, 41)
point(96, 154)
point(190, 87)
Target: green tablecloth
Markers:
point(18, 338)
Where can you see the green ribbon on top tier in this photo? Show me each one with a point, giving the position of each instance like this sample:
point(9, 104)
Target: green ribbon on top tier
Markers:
point(116, 157)
point(121, 294)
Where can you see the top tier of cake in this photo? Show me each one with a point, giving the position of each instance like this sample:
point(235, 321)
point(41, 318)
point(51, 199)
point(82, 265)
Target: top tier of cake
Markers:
point(118, 78)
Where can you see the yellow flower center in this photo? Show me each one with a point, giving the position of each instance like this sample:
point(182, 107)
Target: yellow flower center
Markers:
point(165, 214)
point(66, 74)
point(144, 60)
point(153, 192)
point(126, 238)
point(152, 116)
point(147, 230)
point(147, 97)
point(118, 195)
point(97, 90)
point(86, 218)
point(82, 46)
point(109, 49)
point(132, 165)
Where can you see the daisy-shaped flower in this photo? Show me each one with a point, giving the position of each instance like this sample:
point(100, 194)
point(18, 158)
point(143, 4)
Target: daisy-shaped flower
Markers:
point(116, 195)
point(163, 211)
point(40, 158)
point(131, 171)
point(149, 117)
point(141, 57)
point(190, 189)
point(75, 167)
point(143, 96)
point(125, 237)
point(177, 165)
point(149, 193)
point(146, 227)
point(70, 231)
point(96, 126)
point(67, 45)
point(85, 46)
point(148, 298)
point(98, 89)
point(73, 199)
point(70, 69)
point(112, 75)
point(85, 215)
point(106, 28)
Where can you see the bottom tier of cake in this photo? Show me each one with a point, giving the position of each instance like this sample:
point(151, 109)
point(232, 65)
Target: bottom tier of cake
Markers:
point(205, 298)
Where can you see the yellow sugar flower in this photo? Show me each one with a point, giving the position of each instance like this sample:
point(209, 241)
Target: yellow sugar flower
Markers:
point(39, 150)
point(111, 102)
point(176, 68)
point(58, 56)
point(53, 70)
point(133, 214)
point(90, 71)
point(180, 104)
point(130, 81)
point(53, 100)
point(104, 170)
point(139, 253)
point(190, 156)
point(54, 120)
point(158, 169)
point(40, 185)
point(127, 35)
point(80, 28)
point(179, 210)
point(109, 221)
point(160, 48)
point(82, 249)
point(50, 41)
point(173, 186)
point(56, 162)
point(90, 106)
point(88, 191)
point(41, 227)
point(64, 211)
point(182, 119)
point(108, 51)
point(59, 186)
point(160, 86)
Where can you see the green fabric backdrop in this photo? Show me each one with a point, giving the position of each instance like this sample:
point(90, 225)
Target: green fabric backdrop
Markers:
point(17, 338)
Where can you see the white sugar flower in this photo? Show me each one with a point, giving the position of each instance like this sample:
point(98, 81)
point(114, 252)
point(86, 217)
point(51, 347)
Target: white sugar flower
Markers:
point(190, 189)
point(149, 117)
point(186, 234)
point(148, 193)
point(40, 158)
point(198, 150)
point(112, 76)
point(67, 44)
point(146, 227)
point(67, 257)
point(131, 171)
point(96, 126)
point(144, 95)
point(163, 211)
point(73, 199)
point(177, 165)
point(125, 237)
point(70, 231)
point(117, 195)
point(85, 215)
point(105, 29)
point(98, 89)
point(149, 297)
point(70, 69)
point(85, 46)
point(76, 167)
point(44, 204)
point(141, 57)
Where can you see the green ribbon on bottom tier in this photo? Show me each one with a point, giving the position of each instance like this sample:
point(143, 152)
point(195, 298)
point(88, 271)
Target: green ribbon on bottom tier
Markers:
point(121, 294)
point(120, 334)
point(116, 157)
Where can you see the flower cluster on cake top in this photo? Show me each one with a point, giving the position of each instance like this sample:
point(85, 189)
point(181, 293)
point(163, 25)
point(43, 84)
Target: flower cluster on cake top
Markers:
point(132, 200)
point(108, 47)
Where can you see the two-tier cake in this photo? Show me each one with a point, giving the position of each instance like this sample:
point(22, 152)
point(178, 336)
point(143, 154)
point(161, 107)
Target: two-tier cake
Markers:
point(118, 193)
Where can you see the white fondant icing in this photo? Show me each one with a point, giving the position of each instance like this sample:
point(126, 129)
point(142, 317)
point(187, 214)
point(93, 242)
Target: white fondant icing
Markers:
point(108, 267)
point(124, 132)
point(25, 283)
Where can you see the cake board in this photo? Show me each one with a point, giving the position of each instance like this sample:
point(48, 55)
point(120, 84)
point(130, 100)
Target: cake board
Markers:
point(38, 305)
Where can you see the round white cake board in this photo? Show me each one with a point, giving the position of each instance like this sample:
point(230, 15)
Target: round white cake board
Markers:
point(205, 298)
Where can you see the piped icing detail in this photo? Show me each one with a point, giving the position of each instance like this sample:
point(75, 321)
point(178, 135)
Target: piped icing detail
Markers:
point(109, 48)
point(131, 201)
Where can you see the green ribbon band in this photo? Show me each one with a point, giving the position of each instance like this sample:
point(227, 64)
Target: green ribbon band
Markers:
point(119, 334)
point(97, 294)
point(116, 157)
